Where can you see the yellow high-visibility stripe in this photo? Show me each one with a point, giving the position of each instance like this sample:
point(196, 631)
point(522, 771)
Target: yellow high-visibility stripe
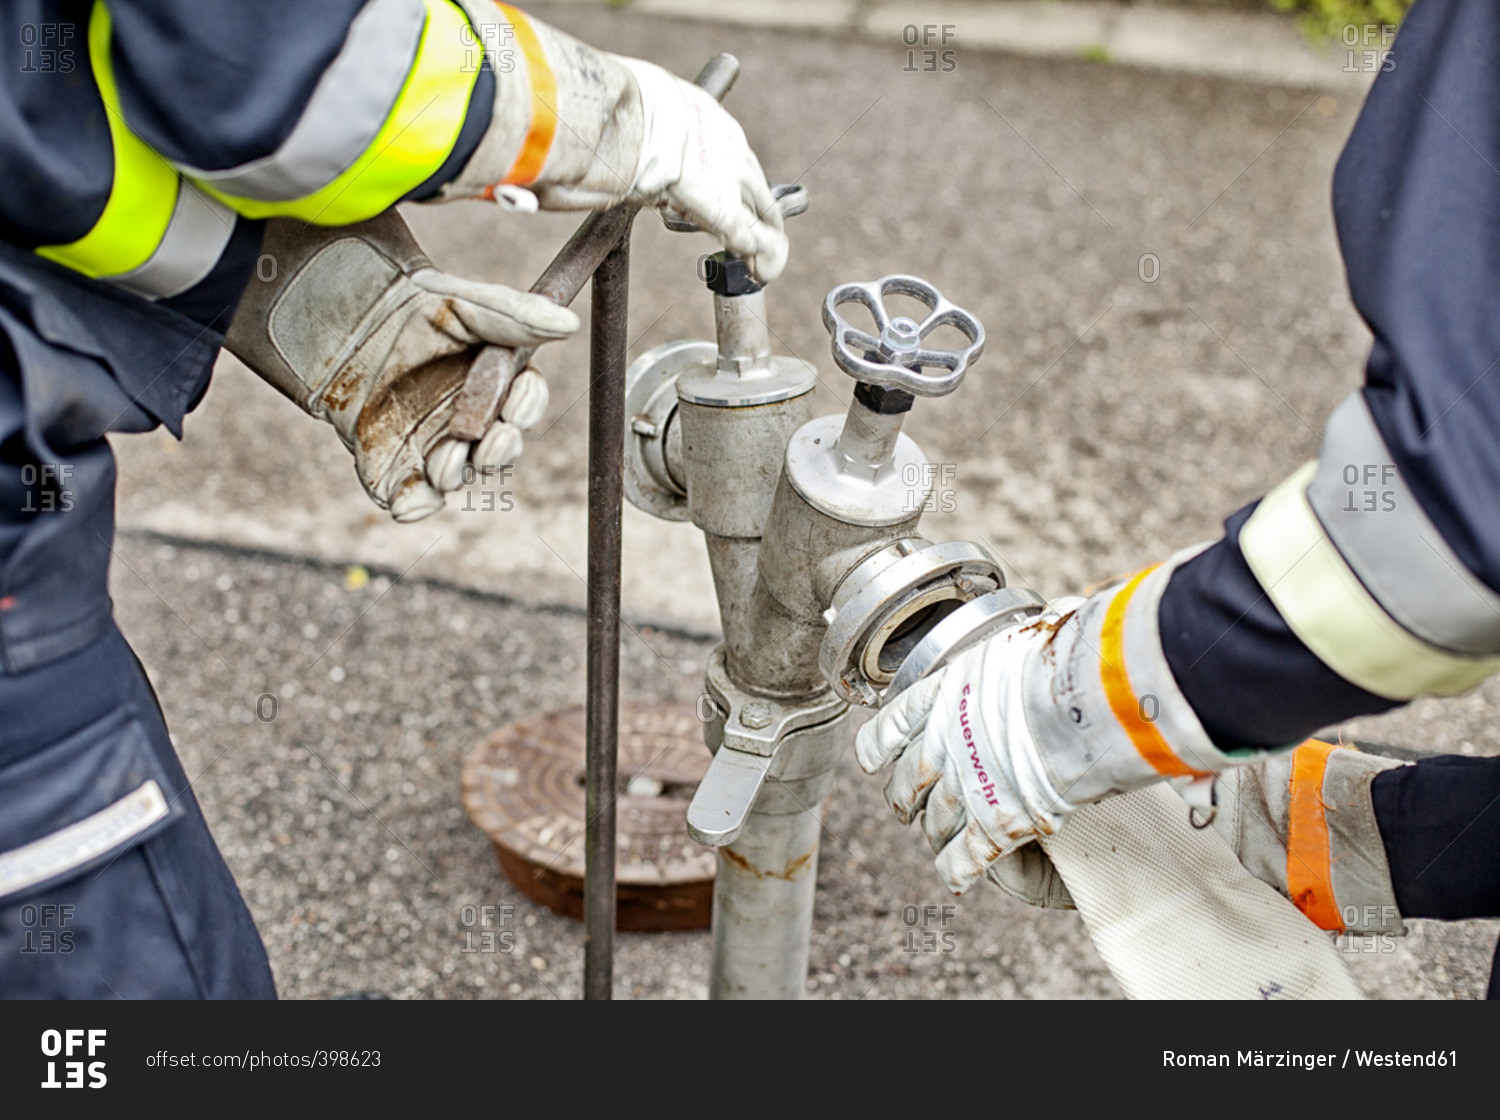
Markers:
point(142, 195)
point(416, 138)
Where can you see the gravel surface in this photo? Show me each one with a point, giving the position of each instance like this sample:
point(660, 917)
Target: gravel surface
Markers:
point(341, 818)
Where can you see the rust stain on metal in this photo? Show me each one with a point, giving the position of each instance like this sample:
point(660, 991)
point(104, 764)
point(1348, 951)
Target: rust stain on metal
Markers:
point(793, 869)
point(741, 862)
point(484, 384)
point(797, 866)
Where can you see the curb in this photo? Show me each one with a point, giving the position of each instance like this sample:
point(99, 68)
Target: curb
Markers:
point(1249, 46)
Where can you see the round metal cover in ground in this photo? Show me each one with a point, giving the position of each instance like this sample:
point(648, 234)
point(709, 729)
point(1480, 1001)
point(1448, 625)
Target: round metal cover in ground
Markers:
point(524, 786)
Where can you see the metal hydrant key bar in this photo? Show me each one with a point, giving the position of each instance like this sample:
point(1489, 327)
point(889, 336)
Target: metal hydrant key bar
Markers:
point(607, 345)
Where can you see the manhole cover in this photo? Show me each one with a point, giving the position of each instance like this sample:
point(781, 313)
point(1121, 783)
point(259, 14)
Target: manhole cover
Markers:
point(524, 786)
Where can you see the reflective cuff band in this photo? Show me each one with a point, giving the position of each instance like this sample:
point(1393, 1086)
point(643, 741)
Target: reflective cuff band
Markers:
point(345, 113)
point(412, 142)
point(1382, 532)
point(196, 238)
point(1309, 866)
point(81, 843)
point(539, 134)
point(156, 236)
point(1336, 868)
point(1139, 686)
point(1105, 698)
point(142, 196)
point(1324, 603)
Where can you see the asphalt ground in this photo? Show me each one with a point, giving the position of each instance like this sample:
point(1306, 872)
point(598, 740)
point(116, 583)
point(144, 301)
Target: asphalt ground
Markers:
point(1153, 258)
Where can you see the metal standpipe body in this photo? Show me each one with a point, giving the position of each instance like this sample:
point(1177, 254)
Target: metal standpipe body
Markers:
point(774, 758)
point(792, 508)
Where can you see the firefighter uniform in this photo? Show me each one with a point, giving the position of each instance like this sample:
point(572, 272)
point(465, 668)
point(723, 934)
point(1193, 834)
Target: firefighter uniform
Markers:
point(143, 145)
point(1369, 577)
point(146, 145)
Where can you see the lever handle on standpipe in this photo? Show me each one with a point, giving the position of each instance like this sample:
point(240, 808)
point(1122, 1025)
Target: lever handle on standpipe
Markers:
point(726, 796)
point(791, 200)
point(726, 273)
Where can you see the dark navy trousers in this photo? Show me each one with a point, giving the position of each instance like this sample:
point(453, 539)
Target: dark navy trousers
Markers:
point(99, 901)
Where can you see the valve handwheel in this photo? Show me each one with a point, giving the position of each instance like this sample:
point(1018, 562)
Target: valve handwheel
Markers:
point(896, 357)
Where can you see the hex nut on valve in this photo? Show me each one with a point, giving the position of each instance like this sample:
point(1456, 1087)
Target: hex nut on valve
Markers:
point(756, 716)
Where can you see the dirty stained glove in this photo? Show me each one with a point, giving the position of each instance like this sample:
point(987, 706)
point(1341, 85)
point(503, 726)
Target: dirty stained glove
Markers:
point(1301, 821)
point(577, 128)
point(1000, 746)
point(358, 328)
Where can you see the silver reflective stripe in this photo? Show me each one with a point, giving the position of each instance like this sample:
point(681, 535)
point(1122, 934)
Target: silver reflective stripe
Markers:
point(193, 243)
point(345, 112)
point(1374, 520)
point(83, 842)
point(1327, 606)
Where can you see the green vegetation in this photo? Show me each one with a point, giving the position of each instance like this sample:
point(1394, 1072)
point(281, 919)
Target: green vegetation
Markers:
point(1094, 52)
point(1328, 19)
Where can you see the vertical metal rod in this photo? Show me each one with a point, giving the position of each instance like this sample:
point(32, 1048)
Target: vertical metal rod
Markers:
point(607, 347)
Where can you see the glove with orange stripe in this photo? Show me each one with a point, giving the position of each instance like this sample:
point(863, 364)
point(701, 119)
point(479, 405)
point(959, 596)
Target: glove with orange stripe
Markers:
point(1303, 822)
point(1000, 746)
point(576, 128)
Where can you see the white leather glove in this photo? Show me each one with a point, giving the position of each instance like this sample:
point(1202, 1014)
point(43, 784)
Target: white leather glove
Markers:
point(1001, 745)
point(577, 128)
point(359, 329)
point(696, 162)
